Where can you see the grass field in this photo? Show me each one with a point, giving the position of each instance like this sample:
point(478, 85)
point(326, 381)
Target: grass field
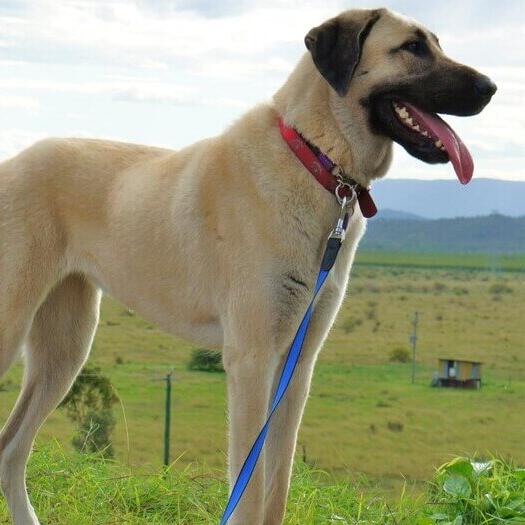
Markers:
point(81, 489)
point(466, 261)
point(364, 415)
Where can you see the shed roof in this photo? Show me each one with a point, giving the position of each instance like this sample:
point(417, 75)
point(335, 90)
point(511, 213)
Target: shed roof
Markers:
point(459, 360)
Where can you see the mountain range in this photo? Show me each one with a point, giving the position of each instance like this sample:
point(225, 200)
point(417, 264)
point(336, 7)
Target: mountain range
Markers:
point(490, 234)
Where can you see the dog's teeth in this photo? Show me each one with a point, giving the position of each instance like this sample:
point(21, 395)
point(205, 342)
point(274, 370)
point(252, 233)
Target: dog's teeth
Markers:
point(403, 113)
point(409, 121)
point(424, 133)
point(442, 148)
point(416, 127)
point(438, 144)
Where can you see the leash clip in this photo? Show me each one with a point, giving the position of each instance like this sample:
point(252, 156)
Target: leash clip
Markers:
point(336, 238)
point(347, 207)
point(339, 231)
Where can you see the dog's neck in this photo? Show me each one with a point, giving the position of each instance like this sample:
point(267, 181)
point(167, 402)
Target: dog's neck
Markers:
point(338, 127)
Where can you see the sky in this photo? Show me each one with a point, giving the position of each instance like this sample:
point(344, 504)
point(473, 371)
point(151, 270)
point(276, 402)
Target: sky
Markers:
point(168, 73)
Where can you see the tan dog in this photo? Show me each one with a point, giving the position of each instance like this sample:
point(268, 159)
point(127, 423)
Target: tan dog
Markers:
point(220, 242)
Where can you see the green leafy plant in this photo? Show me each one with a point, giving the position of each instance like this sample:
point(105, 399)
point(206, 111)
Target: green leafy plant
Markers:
point(478, 493)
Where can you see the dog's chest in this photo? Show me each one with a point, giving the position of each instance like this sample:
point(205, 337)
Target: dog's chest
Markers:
point(294, 287)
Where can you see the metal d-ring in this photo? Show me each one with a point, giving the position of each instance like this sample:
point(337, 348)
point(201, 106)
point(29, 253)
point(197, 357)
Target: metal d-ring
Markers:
point(342, 199)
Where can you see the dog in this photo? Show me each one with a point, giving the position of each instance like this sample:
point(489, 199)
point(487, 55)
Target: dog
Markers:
point(220, 242)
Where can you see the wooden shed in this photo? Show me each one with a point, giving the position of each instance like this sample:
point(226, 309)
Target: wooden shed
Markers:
point(459, 373)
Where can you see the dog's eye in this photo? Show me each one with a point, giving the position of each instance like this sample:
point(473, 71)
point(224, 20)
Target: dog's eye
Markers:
point(416, 47)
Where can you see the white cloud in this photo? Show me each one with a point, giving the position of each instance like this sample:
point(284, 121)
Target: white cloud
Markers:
point(113, 28)
point(223, 56)
point(132, 90)
point(167, 95)
point(19, 102)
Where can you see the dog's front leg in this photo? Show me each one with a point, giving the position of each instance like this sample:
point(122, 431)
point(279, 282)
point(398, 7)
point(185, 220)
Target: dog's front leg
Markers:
point(250, 371)
point(282, 437)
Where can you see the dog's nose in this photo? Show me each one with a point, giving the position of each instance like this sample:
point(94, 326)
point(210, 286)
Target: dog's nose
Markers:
point(485, 87)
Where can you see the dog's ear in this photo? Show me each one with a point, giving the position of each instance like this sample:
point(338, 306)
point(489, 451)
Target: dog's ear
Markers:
point(336, 47)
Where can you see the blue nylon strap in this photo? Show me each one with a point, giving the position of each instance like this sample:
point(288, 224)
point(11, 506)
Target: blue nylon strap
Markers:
point(286, 376)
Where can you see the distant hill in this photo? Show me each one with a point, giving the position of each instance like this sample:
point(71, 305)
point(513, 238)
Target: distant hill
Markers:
point(437, 199)
point(490, 234)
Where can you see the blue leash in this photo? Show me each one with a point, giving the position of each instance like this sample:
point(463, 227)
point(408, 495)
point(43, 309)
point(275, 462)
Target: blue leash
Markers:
point(332, 249)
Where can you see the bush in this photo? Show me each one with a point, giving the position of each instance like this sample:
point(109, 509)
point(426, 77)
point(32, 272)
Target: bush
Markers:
point(395, 426)
point(500, 288)
point(439, 287)
point(350, 324)
point(5, 385)
point(94, 434)
point(206, 361)
point(399, 355)
point(89, 404)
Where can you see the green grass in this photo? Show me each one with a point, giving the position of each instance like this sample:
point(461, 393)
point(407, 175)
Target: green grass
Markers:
point(70, 488)
point(363, 415)
point(465, 261)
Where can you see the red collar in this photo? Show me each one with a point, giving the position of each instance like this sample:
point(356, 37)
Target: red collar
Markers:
point(322, 168)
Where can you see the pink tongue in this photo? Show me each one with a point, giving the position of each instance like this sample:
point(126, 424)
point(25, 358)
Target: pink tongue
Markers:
point(458, 153)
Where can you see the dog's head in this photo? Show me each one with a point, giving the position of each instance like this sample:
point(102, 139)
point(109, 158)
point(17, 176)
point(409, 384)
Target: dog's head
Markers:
point(396, 72)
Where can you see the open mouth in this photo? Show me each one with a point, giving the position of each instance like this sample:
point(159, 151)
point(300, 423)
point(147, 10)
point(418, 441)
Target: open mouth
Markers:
point(424, 135)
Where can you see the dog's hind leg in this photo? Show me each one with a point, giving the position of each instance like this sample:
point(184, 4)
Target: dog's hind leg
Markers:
point(58, 344)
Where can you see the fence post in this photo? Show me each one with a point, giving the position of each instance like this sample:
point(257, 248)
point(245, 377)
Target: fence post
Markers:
point(167, 421)
point(413, 340)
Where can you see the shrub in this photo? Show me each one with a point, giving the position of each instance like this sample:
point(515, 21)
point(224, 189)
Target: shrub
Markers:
point(206, 361)
point(399, 355)
point(395, 426)
point(439, 287)
point(5, 385)
point(350, 324)
point(371, 314)
point(94, 433)
point(500, 288)
point(89, 404)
